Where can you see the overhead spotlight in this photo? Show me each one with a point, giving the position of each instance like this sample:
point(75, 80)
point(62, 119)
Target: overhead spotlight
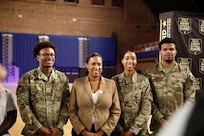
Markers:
point(74, 19)
point(20, 15)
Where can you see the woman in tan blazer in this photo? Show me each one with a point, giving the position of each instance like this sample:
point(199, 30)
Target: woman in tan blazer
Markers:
point(94, 107)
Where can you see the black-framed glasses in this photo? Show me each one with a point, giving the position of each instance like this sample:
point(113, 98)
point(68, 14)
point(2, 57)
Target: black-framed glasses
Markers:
point(47, 55)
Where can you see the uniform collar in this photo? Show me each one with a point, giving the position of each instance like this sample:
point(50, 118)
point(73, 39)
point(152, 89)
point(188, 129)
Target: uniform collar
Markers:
point(122, 77)
point(41, 75)
point(161, 67)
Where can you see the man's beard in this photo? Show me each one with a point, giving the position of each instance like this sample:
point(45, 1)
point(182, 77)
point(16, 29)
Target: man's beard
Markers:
point(169, 61)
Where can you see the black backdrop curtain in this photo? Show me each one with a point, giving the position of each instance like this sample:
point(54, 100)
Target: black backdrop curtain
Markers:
point(188, 31)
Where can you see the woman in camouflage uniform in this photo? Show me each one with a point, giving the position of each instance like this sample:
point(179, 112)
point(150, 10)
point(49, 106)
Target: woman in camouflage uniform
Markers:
point(135, 98)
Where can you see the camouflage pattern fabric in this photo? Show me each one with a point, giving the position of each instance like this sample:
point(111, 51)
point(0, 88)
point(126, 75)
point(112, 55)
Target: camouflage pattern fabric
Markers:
point(43, 101)
point(170, 89)
point(135, 99)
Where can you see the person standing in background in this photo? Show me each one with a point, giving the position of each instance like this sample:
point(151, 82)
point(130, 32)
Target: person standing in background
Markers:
point(172, 84)
point(94, 107)
point(43, 95)
point(135, 98)
point(8, 109)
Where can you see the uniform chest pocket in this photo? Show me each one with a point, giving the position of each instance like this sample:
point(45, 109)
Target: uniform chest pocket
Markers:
point(131, 102)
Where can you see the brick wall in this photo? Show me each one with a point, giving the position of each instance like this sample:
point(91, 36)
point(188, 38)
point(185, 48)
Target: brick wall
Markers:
point(133, 24)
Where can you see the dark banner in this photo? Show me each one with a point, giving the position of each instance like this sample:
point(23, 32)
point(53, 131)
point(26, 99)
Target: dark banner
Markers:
point(188, 31)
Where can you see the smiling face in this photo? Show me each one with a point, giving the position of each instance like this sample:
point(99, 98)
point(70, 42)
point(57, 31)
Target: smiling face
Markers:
point(94, 67)
point(168, 53)
point(129, 62)
point(46, 58)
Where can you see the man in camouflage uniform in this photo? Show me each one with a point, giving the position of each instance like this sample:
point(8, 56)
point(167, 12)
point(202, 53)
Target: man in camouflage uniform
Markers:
point(135, 98)
point(43, 94)
point(172, 84)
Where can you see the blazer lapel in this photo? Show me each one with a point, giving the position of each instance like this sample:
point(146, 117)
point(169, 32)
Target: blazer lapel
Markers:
point(102, 89)
point(87, 88)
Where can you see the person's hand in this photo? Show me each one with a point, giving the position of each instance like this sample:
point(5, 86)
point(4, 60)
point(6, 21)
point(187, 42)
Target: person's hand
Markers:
point(87, 133)
point(122, 133)
point(55, 131)
point(128, 133)
point(162, 121)
point(44, 131)
point(100, 133)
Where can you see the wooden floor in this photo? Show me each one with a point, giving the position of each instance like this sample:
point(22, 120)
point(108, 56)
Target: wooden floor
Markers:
point(18, 126)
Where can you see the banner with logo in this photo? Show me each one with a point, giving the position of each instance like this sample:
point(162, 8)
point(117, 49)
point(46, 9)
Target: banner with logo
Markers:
point(188, 31)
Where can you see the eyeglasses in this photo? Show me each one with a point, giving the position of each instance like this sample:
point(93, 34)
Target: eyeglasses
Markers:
point(47, 55)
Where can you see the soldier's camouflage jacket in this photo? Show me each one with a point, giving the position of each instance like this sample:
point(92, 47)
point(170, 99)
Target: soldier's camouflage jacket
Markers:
point(135, 99)
point(43, 101)
point(170, 90)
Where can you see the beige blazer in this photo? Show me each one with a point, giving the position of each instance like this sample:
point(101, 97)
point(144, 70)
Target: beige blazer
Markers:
point(81, 107)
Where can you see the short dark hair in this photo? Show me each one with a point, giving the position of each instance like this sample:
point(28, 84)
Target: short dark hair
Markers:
point(92, 55)
point(128, 50)
point(166, 40)
point(42, 45)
